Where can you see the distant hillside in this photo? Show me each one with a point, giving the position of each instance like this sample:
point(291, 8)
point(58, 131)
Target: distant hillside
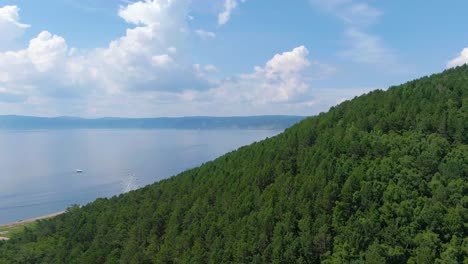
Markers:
point(382, 178)
point(200, 122)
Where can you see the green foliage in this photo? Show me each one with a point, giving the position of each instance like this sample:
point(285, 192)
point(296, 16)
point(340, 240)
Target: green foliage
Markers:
point(382, 178)
point(12, 230)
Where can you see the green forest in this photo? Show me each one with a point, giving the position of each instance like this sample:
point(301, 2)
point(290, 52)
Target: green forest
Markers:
point(382, 178)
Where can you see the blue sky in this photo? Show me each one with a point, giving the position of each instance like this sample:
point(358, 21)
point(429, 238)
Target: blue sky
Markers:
point(96, 58)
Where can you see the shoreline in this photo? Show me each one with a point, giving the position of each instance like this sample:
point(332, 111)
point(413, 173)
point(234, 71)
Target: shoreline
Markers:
point(30, 220)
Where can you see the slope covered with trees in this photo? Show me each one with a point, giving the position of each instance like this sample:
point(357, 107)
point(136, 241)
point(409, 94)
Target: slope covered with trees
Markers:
point(382, 178)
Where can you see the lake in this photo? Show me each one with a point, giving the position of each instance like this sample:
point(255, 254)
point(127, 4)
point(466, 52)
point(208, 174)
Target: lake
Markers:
point(38, 168)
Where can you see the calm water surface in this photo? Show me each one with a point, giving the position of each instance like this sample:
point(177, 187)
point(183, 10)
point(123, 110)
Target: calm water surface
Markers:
point(38, 168)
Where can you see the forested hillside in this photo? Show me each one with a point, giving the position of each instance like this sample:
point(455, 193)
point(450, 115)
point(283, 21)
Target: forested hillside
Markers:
point(382, 178)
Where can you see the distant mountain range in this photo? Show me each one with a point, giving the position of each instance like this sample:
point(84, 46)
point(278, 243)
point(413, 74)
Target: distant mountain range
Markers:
point(196, 122)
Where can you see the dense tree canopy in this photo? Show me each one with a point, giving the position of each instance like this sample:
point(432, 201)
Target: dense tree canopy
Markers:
point(382, 178)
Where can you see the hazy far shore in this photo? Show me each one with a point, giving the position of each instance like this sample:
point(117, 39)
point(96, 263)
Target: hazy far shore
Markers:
point(268, 122)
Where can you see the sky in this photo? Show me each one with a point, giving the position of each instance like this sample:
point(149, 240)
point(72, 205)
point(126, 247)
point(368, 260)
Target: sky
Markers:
point(152, 58)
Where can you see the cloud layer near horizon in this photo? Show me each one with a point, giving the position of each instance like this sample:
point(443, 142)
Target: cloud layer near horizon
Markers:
point(151, 69)
point(149, 66)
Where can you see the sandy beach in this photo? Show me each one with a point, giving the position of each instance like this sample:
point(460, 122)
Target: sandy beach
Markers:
point(8, 227)
point(25, 221)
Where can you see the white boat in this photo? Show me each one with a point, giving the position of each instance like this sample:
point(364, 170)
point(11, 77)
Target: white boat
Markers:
point(79, 171)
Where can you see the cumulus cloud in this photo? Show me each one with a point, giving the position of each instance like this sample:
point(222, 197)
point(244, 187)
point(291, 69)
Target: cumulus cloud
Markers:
point(165, 14)
point(162, 60)
point(46, 51)
point(281, 79)
point(10, 27)
point(146, 68)
point(41, 64)
point(205, 34)
point(150, 57)
point(10, 14)
point(283, 85)
point(460, 60)
point(229, 6)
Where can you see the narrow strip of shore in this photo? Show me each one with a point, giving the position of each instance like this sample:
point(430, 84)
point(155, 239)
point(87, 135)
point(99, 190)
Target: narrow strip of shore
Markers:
point(30, 220)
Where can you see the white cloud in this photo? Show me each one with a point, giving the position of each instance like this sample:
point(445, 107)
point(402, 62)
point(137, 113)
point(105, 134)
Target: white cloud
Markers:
point(229, 6)
point(10, 27)
point(148, 71)
point(10, 14)
point(165, 14)
point(282, 85)
point(460, 60)
point(205, 34)
point(287, 62)
point(282, 79)
point(149, 57)
point(162, 60)
point(46, 51)
point(42, 61)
